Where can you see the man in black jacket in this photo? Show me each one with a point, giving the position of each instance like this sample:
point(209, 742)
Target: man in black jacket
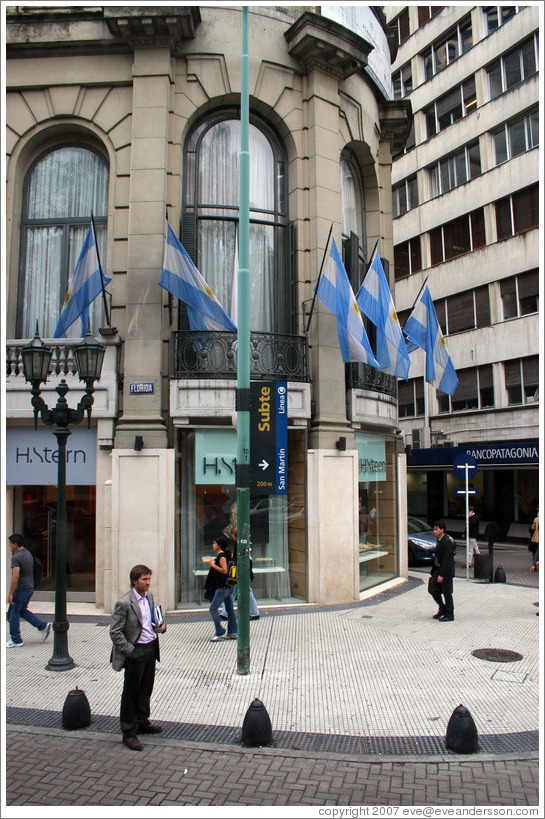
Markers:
point(440, 584)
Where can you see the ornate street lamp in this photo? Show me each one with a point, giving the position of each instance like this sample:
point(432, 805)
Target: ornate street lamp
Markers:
point(89, 355)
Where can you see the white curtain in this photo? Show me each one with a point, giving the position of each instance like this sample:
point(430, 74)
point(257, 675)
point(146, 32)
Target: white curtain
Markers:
point(218, 198)
point(350, 202)
point(68, 183)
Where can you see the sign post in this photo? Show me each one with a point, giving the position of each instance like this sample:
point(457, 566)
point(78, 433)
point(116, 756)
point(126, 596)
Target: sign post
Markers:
point(465, 465)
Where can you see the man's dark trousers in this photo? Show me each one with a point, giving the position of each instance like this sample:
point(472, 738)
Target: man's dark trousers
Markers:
point(440, 590)
point(137, 688)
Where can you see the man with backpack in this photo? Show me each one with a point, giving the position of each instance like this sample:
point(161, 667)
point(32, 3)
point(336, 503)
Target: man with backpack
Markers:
point(20, 592)
point(440, 584)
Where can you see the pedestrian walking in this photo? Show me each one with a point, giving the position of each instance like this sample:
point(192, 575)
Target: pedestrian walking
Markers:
point(218, 592)
point(136, 622)
point(474, 523)
point(534, 543)
point(254, 610)
point(440, 583)
point(20, 592)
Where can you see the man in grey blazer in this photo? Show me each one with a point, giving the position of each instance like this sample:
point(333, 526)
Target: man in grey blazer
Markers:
point(134, 631)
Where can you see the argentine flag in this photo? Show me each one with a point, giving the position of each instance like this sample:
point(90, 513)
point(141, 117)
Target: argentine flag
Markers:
point(422, 328)
point(85, 285)
point(375, 301)
point(335, 291)
point(181, 278)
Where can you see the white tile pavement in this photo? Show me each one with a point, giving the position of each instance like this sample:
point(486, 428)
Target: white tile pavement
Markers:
point(382, 669)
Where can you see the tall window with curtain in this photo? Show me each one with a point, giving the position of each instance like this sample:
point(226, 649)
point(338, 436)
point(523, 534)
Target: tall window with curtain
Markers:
point(210, 219)
point(353, 220)
point(61, 190)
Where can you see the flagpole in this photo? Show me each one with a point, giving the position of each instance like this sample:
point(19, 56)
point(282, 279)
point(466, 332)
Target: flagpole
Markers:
point(416, 299)
point(101, 272)
point(243, 368)
point(319, 277)
point(371, 257)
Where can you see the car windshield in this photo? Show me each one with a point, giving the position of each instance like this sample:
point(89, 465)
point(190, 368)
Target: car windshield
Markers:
point(417, 525)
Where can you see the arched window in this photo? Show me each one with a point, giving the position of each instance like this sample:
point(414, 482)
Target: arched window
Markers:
point(61, 190)
point(353, 220)
point(210, 219)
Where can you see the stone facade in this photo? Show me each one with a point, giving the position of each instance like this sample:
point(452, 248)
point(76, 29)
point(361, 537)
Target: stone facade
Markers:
point(132, 83)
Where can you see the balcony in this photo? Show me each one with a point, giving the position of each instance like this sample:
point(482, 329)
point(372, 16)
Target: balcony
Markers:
point(365, 377)
point(273, 356)
point(62, 365)
point(203, 374)
point(372, 396)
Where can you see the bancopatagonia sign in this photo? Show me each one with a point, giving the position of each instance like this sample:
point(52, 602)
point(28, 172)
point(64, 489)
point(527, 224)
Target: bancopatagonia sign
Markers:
point(497, 454)
point(32, 456)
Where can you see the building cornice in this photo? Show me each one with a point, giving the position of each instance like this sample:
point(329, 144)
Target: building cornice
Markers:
point(317, 42)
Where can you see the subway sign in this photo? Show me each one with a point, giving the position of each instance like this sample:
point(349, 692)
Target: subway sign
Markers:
point(268, 438)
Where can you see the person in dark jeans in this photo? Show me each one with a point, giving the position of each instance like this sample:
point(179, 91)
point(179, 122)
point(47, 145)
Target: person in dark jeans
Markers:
point(442, 572)
point(20, 592)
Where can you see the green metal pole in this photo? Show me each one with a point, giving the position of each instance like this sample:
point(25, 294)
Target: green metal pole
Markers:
point(243, 369)
point(60, 660)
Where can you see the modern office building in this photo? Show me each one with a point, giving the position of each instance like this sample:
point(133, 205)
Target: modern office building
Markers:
point(132, 114)
point(466, 222)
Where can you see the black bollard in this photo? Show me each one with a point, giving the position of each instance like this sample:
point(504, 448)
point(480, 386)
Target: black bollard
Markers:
point(499, 575)
point(77, 711)
point(462, 735)
point(256, 728)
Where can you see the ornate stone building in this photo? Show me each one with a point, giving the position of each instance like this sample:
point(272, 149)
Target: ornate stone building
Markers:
point(132, 114)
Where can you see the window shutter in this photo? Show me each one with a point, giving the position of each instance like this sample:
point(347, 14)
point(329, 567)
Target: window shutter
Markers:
point(482, 306)
point(189, 241)
point(512, 373)
point(351, 248)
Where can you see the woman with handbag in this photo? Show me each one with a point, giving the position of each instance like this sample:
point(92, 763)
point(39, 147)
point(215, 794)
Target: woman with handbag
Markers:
point(217, 590)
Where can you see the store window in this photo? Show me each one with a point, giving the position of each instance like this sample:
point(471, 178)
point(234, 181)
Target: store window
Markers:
point(378, 536)
point(32, 475)
point(520, 294)
point(207, 508)
point(62, 189)
point(210, 219)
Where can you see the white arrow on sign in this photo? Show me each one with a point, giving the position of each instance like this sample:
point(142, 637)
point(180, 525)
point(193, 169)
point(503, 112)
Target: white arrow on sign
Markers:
point(263, 464)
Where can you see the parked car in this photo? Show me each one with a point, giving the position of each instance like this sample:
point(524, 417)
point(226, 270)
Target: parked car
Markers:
point(421, 541)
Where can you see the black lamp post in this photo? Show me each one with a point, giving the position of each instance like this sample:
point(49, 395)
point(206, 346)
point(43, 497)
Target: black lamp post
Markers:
point(89, 355)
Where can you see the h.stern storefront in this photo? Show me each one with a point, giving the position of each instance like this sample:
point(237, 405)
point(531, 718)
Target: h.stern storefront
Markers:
point(206, 507)
point(377, 508)
point(31, 484)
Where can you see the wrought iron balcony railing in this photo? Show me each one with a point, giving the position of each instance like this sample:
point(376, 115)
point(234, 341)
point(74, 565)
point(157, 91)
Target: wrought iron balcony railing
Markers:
point(214, 355)
point(364, 377)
